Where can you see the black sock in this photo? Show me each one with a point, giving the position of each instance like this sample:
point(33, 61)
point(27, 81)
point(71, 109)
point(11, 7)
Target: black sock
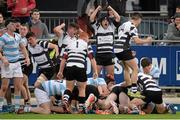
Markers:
point(82, 103)
point(67, 95)
point(129, 86)
point(134, 87)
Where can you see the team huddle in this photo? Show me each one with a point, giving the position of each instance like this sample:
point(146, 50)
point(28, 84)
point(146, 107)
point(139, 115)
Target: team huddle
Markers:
point(62, 85)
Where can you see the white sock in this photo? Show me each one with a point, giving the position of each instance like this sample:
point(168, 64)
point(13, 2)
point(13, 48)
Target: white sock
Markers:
point(1, 103)
point(27, 109)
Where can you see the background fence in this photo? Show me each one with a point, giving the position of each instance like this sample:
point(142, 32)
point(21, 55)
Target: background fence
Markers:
point(155, 25)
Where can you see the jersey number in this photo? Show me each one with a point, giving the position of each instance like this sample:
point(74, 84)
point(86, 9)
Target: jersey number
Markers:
point(77, 44)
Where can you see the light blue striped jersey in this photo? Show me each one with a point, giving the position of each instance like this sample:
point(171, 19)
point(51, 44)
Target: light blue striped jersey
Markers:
point(54, 87)
point(96, 82)
point(10, 46)
point(155, 72)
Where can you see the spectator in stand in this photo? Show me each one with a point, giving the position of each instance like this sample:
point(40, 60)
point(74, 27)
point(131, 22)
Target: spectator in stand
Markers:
point(2, 26)
point(37, 27)
point(3, 8)
point(21, 9)
point(172, 7)
point(177, 11)
point(173, 31)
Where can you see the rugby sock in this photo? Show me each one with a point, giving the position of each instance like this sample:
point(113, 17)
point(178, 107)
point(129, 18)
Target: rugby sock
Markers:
point(134, 88)
point(82, 106)
point(17, 102)
point(67, 95)
point(26, 102)
point(27, 109)
point(1, 103)
point(135, 108)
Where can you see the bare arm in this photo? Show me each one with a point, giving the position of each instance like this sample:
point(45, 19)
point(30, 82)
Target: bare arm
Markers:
point(25, 53)
point(116, 15)
point(61, 69)
point(4, 59)
point(94, 65)
point(93, 15)
point(58, 30)
point(138, 40)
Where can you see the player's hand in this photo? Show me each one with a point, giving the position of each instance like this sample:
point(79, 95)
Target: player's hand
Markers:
point(99, 8)
point(60, 75)
point(27, 61)
point(53, 99)
point(5, 61)
point(134, 53)
point(109, 7)
point(62, 25)
point(149, 39)
point(24, 10)
point(95, 75)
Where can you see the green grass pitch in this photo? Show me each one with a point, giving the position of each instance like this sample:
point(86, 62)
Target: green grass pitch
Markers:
point(89, 116)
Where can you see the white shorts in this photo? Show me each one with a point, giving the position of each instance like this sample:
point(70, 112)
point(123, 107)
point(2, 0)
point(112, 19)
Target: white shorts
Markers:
point(41, 96)
point(11, 71)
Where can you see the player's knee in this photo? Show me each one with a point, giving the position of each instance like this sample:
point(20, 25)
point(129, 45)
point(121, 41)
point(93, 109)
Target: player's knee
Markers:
point(39, 81)
point(4, 88)
point(47, 111)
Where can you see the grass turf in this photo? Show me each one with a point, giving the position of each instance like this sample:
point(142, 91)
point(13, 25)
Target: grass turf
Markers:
point(88, 116)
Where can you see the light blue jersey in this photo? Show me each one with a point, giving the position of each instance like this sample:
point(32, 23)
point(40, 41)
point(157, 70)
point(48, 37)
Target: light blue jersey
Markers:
point(96, 82)
point(54, 87)
point(155, 72)
point(10, 46)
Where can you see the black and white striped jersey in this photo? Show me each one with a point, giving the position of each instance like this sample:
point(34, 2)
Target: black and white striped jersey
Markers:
point(64, 41)
point(76, 53)
point(147, 83)
point(126, 32)
point(104, 38)
point(21, 56)
point(40, 54)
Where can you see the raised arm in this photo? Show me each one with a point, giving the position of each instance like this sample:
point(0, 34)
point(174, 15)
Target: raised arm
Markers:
point(58, 30)
point(116, 15)
point(93, 15)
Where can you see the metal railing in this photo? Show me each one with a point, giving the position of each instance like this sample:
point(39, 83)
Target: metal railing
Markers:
point(152, 25)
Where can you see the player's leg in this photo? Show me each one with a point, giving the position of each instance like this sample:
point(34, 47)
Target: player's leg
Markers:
point(17, 92)
point(4, 87)
point(134, 75)
point(82, 95)
point(39, 80)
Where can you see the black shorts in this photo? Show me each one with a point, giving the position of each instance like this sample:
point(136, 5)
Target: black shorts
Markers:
point(89, 89)
point(125, 55)
point(48, 72)
point(27, 70)
point(105, 59)
point(153, 96)
point(75, 73)
point(117, 90)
